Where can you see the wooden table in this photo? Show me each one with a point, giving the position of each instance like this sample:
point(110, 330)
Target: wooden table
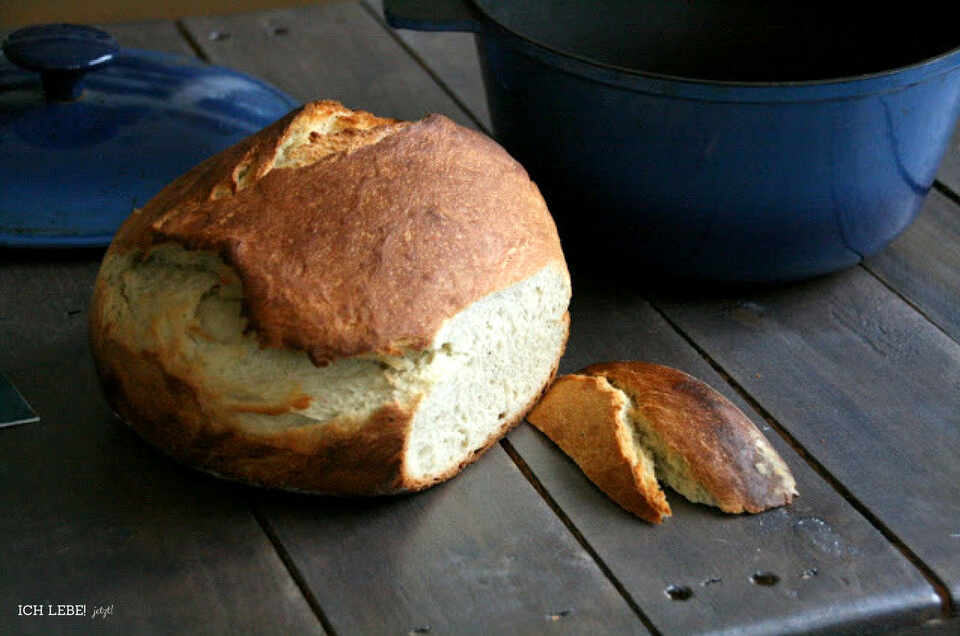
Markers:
point(855, 378)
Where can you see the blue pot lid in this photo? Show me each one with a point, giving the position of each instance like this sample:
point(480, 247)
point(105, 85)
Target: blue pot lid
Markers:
point(90, 131)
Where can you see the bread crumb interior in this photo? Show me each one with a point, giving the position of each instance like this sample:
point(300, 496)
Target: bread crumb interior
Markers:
point(670, 467)
point(483, 369)
point(319, 131)
point(499, 353)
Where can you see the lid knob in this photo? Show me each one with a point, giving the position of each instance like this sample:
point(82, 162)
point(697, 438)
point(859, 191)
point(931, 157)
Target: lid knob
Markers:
point(61, 53)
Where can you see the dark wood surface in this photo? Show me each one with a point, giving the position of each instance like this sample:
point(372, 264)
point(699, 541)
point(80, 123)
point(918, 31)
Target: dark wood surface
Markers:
point(854, 377)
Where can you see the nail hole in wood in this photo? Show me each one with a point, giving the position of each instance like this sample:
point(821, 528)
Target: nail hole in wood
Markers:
point(678, 592)
point(766, 579)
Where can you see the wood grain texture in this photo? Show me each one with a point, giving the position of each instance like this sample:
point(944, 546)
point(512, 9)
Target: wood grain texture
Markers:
point(481, 554)
point(864, 383)
point(454, 61)
point(710, 554)
point(923, 264)
point(156, 35)
point(833, 568)
point(860, 378)
point(336, 51)
point(90, 515)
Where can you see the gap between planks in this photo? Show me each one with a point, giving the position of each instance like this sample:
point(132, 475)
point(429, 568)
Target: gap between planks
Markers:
point(264, 523)
point(378, 18)
point(541, 490)
point(291, 567)
point(190, 40)
point(940, 587)
point(908, 302)
point(260, 518)
point(946, 191)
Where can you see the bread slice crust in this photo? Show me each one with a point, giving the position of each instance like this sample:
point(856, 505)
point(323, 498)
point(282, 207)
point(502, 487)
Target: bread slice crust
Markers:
point(700, 443)
point(584, 416)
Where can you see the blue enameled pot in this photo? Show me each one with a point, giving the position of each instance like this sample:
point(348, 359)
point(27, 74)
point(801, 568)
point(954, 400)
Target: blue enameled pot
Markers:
point(736, 141)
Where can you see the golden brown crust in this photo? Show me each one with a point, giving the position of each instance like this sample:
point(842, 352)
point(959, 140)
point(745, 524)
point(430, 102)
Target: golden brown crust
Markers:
point(726, 454)
point(581, 415)
point(368, 238)
point(349, 457)
point(344, 457)
point(370, 249)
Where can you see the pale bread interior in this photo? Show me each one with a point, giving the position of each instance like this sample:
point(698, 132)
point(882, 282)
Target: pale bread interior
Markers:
point(669, 467)
point(482, 370)
point(321, 130)
point(650, 454)
point(620, 448)
point(647, 457)
point(641, 458)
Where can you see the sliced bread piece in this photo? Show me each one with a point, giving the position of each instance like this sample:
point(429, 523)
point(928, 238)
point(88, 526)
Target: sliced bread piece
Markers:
point(689, 434)
point(589, 419)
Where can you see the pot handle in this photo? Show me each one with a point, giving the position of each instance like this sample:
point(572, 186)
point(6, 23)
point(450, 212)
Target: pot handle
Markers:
point(433, 15)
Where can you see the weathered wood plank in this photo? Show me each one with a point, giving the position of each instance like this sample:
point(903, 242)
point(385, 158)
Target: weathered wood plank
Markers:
point(949, 173)
point(88, 513)
point(335, 51)
point(480, 554)
point(858, 574)
point(154, 35)
point(864, 383)
point(453, 58)
point(923, 264)
point(771, 343)
point(91, 515)
point(833, 567)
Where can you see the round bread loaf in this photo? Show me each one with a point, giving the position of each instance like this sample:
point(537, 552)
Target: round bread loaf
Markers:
point(339, 304)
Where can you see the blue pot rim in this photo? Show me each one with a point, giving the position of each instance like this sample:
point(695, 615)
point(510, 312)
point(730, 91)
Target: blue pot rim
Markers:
point(829, 89)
